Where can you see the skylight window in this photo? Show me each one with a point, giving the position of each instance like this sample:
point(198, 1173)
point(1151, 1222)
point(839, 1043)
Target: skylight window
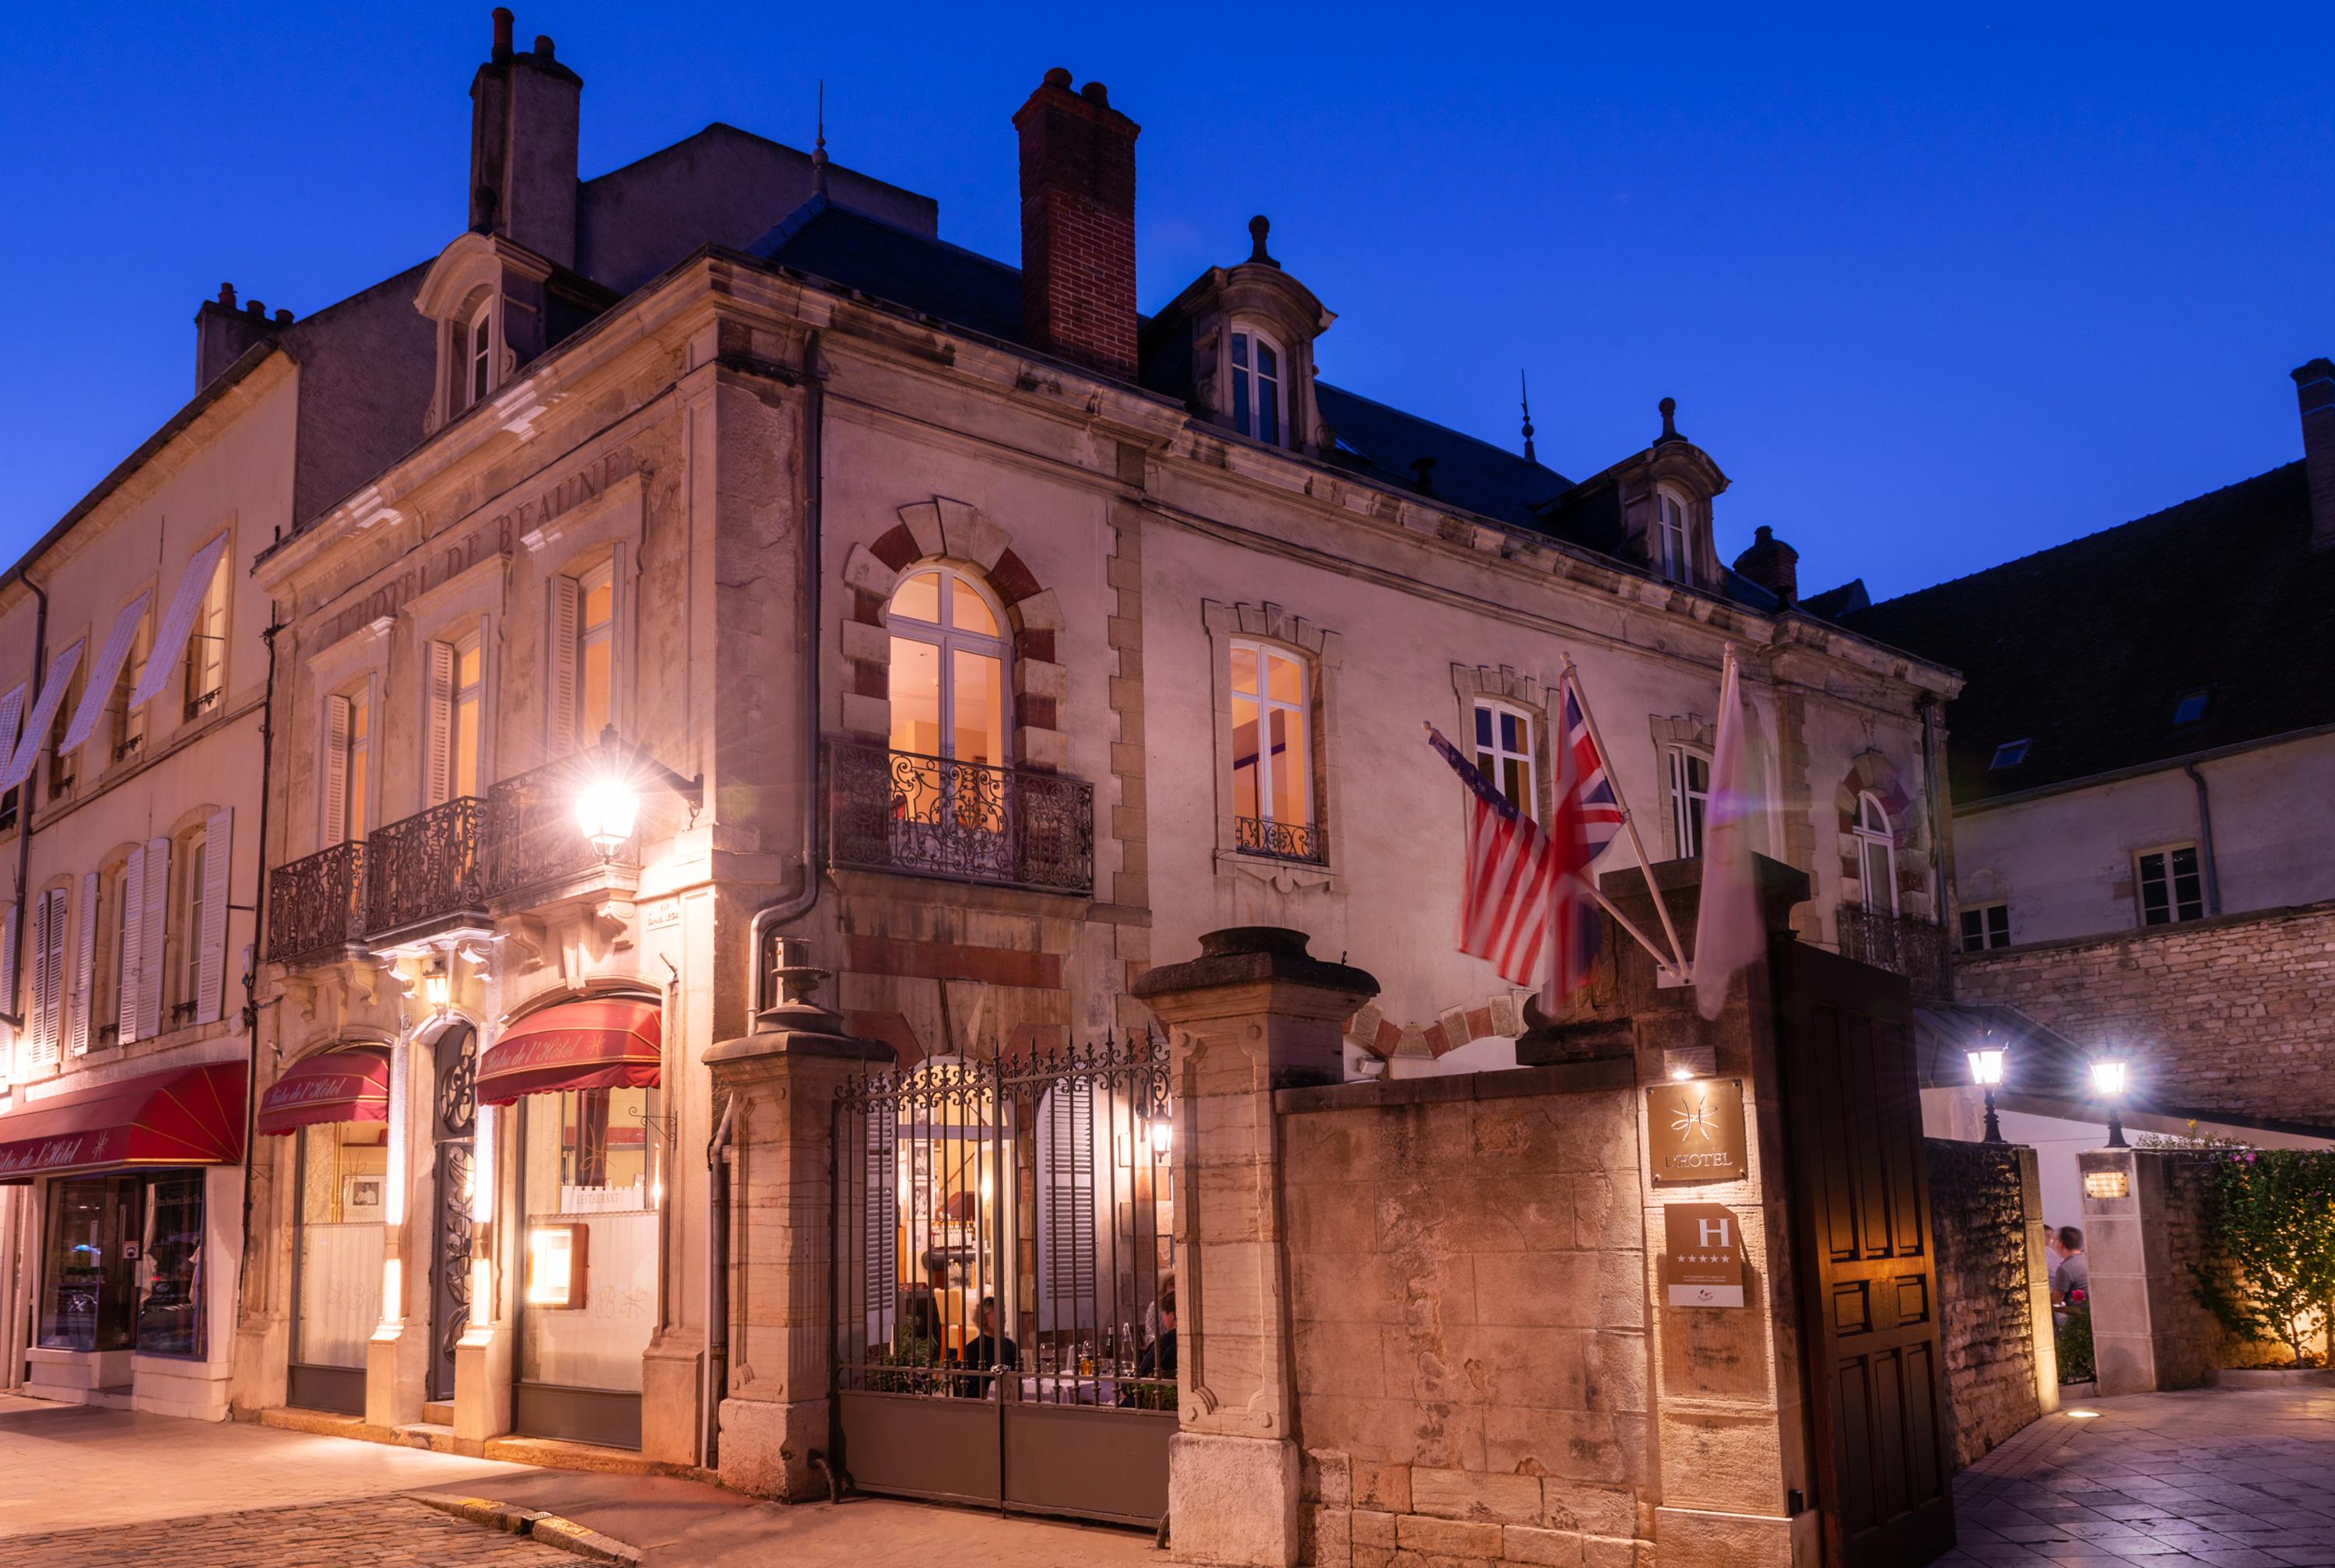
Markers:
point(2010, 754)
point(2189, 707)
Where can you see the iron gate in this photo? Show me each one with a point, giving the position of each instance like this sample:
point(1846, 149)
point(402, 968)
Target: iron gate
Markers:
point(1005, 1281)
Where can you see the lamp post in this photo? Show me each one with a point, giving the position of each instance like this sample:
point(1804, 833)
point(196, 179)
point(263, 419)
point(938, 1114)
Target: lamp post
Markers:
point(2108, 1080)
point(1986, 1071)
point(608, 803)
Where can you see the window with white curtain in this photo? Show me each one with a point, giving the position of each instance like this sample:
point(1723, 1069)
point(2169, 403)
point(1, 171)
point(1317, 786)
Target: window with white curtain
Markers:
point(1272, 741)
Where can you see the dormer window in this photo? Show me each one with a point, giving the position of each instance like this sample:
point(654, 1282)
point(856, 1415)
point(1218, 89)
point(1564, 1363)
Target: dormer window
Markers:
point(472, 361)
point(1673, 559)
point(1257, 386)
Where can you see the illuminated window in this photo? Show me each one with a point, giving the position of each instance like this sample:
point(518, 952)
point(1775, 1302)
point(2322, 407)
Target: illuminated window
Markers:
point(1504, 753)
point(948, 668)
point(1273, 787)
point(595, 652)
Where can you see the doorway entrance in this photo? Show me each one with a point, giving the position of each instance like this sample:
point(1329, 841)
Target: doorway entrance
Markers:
point(454, 1058)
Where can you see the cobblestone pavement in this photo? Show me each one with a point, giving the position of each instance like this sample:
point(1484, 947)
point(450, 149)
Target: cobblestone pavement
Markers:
point(2237, 1477)
point(364, 1533)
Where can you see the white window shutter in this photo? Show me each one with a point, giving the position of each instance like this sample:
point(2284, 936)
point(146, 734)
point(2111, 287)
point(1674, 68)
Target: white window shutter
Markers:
point(33, 1053)
point(51, 976)
point(131, 956)
point(882, 1210)
point(153, 919)
point(337, 717)
point(84, 1028)
point(440, 721)
point(170, 639)
point(97, 690)
point(12, 715)
point(566, 597)
point(210, 983)
point(1066, 1220)
point(8, 962)
point(43, 714)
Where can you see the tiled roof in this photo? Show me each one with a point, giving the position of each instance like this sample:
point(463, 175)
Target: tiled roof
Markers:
point(2083, 651)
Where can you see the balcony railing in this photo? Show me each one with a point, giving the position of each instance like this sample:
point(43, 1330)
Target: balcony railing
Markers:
point(316, 905)
point(967, 821)
point(1915, 949)
point(533, 844)
point(1280, 840)
point(427, 869)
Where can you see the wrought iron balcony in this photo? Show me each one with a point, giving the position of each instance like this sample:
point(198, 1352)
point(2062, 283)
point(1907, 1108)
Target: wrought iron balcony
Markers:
point(1915, 949)
point(534, 847)
point(967, 821)
point(1280, 840)
point(427, 872)
point(316, 905)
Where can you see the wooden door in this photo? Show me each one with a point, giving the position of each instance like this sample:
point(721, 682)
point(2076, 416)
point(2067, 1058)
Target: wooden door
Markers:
point(1866, 1269)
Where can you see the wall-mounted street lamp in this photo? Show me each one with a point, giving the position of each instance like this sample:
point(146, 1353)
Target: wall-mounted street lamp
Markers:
point(2107, 1082)
point(438, 986)
point(1986, 1071)
point(608, 804)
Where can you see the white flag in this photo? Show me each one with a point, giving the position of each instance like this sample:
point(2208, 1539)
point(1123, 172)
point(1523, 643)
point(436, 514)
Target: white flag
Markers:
point(1728, 932)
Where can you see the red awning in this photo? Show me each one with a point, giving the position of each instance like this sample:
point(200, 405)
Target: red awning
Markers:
point(187, 1115)
point(616, 1042)
point(347, 1085)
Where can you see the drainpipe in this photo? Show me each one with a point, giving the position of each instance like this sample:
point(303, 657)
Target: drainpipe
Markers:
point(798, 903)
point(2205, 843)
point(10, 1014)
point(251, 976)
point(716, 1373)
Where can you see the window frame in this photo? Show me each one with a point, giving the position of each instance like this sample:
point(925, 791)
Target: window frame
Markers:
point(473, 641)
point(1671, 545)
point(1248, 382)
point(1988, 930)
point(2174, 904)
point(1870, 840)
point(1501, 754)
point(950, 639)
point(183, 930)
point(470, 345)
point(1690, 806)
point(1267, 705)
point(204, 670)
point(601, 635)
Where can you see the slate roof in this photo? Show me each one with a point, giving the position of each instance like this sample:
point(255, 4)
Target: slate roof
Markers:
point(951, 284)
point(2083, 650)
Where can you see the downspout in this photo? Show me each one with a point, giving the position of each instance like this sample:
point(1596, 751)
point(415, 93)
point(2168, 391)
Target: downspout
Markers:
point(717, 1298)
point(251, 975)
point(10, 1014)
point(2205, 843)
point(1938, 809)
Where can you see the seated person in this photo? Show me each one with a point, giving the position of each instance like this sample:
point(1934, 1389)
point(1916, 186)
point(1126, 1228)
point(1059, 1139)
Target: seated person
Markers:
point(918, 1336)
point(1159, 1358)
point(986, 1351)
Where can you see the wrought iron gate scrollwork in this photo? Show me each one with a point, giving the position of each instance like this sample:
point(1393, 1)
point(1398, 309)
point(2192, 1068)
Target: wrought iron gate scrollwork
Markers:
point(454, 1118)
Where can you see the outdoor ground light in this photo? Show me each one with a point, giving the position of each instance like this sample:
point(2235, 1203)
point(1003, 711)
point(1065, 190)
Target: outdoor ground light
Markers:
point(2107, 1081)
point(1986, 1071)
point(608, 804)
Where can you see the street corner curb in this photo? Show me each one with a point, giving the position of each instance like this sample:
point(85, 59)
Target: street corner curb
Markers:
point(589, 1544)
point(494, 1515)
point(550, 1529)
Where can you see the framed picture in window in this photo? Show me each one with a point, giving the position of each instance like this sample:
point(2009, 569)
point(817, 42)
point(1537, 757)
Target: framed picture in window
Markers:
point(361, 1199)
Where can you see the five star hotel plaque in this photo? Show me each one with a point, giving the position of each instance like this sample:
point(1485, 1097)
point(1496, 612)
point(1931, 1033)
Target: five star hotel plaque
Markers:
point(1703, 1256)
point(1696, 1130)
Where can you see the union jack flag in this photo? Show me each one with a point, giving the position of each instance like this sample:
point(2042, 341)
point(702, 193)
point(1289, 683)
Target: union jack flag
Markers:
point(1581, 777)
point(1515, 906)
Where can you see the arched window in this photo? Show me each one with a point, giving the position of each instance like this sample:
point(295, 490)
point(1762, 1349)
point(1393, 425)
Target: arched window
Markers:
point(1257, 386)
point(1673, 558)
point(948, 667)
point(1877, 856)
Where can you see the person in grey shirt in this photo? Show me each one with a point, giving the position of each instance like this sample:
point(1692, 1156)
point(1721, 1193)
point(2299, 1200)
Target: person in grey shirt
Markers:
point(2075, 1272)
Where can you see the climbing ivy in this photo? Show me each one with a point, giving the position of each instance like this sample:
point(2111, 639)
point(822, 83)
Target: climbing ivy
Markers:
point(2273, 1211)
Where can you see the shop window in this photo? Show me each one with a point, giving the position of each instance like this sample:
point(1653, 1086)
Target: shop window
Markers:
point(344, 1181)
point(1985, 925)
point(2170, 888)
point(592, 1184)
point(123, 1264)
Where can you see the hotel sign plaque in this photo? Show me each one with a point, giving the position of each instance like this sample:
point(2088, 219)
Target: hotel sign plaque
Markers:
point(1696, 1129)
point(1703, 1256)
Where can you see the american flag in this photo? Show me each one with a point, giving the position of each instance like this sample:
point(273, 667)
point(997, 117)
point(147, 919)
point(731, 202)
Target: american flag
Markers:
point(1513, 906)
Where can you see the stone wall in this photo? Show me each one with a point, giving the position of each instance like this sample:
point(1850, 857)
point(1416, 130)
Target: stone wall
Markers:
point(1985, 1207)
point(2224, 1014)
point(1468, 1286)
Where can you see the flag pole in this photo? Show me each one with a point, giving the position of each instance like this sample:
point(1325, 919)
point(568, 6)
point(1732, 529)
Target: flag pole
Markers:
point(1630, 824)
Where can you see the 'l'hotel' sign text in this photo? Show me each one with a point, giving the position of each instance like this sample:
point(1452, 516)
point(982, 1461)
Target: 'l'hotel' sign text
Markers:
point(1695, 1130)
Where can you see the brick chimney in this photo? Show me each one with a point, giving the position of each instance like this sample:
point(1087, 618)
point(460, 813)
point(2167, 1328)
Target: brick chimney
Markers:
point(223, 333)
point(2314, 390)
point(1077, 225)
point(1772, 564)
point(524, 113)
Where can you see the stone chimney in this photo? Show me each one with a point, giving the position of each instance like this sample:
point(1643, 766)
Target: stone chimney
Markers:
point(2314, 390)
point(1077, 225)
point(223, 333)
point(1772, 564)
point(524, 110)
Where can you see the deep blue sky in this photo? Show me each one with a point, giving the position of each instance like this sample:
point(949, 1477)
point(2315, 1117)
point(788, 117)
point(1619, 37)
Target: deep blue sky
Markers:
point(1935, 292)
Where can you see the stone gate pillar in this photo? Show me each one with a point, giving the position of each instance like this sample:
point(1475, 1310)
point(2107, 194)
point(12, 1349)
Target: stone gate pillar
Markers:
point(1253, 1013)
point(780, 1272)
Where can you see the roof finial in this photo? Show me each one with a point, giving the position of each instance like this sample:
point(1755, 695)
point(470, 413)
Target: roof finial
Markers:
point(819, 148)
point(1669, 407)
point(1524, 388)
point(1258, 226)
